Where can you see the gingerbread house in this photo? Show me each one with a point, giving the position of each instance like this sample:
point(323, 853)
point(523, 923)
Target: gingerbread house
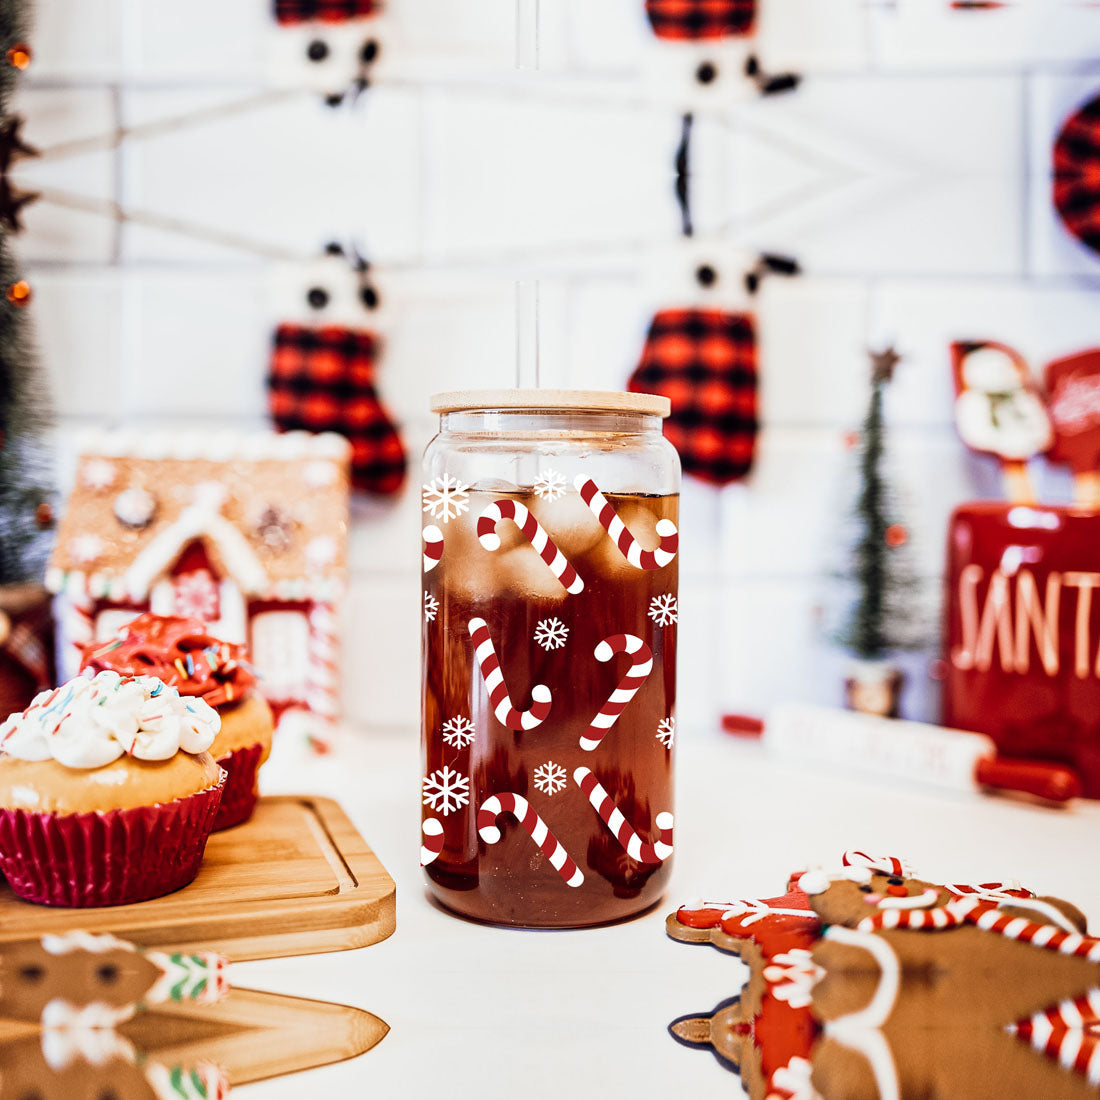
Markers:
point(246, 532)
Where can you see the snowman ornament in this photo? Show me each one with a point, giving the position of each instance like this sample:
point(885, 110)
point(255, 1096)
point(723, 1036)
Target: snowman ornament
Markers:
point(328, 318)
point(329, 46)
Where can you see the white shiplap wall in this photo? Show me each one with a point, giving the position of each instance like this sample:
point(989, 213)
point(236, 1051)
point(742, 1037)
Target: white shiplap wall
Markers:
point(908, 175)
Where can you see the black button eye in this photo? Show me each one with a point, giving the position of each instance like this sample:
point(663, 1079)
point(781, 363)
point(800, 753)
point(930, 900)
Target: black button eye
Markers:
point(369, 297)
point(317, 297)
point(317, 50)
point(706, 275)
point(32, 973)
point(369, 51)
point(707, 73)
point(893, 880)
point(866, 889)
point(107, 974)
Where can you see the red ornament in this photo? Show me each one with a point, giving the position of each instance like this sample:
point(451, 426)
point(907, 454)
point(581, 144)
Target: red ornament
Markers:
point(43, 515)
point(19, 293)
point(896, 535)
point(19, 55)
point(851, 440)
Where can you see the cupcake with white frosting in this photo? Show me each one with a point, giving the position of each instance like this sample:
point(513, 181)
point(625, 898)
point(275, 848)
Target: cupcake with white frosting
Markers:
point(107, 791)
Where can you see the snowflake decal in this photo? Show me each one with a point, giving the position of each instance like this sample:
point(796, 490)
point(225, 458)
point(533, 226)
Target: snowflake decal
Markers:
point(446, 498)
point(551, 634)
point(550, 485)
point(666, 732)
point(458, 732)
point(663, 610)
point(550, 778)
point(446, 791)
point(196, 595)
point(431, 606)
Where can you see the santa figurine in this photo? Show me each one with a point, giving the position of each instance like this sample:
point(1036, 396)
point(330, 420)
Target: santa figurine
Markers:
point(999, 410)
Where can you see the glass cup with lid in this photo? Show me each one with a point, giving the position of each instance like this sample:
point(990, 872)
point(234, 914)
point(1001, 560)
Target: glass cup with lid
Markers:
point(549, 624)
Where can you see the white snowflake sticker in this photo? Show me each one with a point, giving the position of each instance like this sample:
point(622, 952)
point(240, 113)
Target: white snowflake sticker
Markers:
point(550, 778)
point(196, 595)
point(551, 634)
point(666, 732)
point(446, 791)
point(431, 606)
point(446, 498)
point(458, 732)
point(550, 485)
point(663, 610)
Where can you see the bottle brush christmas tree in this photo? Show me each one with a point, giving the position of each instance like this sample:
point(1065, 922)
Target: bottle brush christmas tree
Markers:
point(25, 467)
point(25, 507)
point(884, 617)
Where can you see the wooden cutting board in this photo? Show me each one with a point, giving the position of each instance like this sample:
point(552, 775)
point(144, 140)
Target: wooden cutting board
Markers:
point(296, 879)
point(249, 1034)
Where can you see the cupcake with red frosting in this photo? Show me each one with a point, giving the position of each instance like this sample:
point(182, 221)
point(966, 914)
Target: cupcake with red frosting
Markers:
point(107, 791)
point(188, 658)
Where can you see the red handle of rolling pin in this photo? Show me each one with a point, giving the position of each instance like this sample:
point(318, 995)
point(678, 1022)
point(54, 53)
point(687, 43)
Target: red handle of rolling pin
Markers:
point(743, 725)
point(1054, 782)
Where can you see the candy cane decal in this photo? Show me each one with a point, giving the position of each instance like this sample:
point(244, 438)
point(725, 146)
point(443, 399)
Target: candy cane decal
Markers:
point(520, 809)
point(613, 818)
point(432, 829)
point(536, 535)
point(623, 539)
point(499, 699)
point(636, 675)
point(433, 547)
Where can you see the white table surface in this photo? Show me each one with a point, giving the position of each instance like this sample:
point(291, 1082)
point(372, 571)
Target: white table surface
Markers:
point(484, 1012)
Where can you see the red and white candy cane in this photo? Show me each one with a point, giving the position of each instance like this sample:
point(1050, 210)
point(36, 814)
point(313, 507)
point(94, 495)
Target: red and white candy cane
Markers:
point(432, 828)
point(639, 670)
point(613, 818)
point(323, 668)
point(623, 539)
point(520, 809)
point(1075, 1048)
point(886, 865)
point(499, 698)
point(535, 533)
point(433, 547)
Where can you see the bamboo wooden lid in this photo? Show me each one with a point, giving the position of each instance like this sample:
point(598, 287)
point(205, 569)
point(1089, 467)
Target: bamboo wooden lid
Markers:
point(549, 400)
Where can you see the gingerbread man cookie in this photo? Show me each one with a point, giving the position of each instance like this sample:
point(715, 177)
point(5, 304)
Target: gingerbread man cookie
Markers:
point(99, 981)
point(891, 986)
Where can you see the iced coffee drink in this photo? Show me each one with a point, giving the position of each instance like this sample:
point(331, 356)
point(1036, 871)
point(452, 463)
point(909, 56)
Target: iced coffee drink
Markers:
point(549, 639)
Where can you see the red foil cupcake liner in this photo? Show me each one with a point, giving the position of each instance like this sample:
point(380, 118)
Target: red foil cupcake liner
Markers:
point(115, 857)
point(239, 796)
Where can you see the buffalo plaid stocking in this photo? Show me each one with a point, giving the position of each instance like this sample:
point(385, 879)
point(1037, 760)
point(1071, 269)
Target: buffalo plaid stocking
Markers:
point(325, 11)
point(700, 19)
point(1077, 174)
point(704, 362)
point(323, 380)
